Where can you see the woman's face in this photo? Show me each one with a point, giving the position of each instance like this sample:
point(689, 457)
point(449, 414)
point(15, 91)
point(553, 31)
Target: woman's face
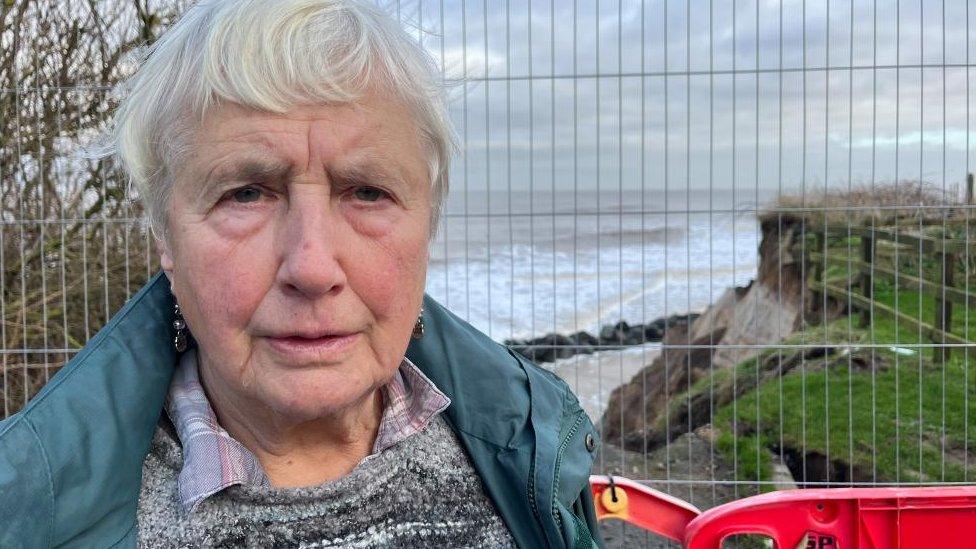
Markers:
point(298, 251)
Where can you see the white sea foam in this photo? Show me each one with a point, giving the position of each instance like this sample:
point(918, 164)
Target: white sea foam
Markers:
point(520, 276)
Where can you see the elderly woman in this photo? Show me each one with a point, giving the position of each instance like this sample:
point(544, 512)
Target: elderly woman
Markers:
point(285, 382)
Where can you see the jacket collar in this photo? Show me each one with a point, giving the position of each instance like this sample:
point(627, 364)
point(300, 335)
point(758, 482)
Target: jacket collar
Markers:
point(95, 418)
point(514, 419)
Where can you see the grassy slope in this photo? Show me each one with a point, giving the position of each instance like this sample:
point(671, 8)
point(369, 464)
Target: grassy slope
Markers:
point(886, 413)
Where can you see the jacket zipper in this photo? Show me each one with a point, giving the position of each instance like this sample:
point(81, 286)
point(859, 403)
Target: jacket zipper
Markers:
point(559, 458)
point(532, 502)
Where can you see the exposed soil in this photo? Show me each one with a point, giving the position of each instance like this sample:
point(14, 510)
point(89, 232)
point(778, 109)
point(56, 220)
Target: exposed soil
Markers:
point(731, 330)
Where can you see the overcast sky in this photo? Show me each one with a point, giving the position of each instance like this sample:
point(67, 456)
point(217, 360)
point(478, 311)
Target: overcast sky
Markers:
point(700, 94)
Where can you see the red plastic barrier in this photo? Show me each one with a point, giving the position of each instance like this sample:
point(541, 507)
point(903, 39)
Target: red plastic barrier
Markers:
point(864, 518)
point(620, 498)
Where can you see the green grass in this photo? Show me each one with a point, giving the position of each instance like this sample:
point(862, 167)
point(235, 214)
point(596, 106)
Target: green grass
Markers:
point(748, 455)
point(878, 408)
point(888, 425)
point(884, 415)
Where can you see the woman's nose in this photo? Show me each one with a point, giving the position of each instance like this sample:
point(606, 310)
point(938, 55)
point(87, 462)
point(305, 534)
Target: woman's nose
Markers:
point(310, 264)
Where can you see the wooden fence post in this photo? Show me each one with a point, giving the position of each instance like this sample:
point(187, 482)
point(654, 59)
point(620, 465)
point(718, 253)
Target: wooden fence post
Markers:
point(866, 280)
point(943, 307)
point(820, 239)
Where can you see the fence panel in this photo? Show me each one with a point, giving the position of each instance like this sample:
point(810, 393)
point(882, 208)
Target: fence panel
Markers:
point(740, 230)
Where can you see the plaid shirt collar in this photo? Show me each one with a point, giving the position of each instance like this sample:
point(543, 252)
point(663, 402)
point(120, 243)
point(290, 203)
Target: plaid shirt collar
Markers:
point(213, 460)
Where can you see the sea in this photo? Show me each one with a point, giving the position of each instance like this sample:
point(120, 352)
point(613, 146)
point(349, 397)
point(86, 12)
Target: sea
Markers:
point(521, 265)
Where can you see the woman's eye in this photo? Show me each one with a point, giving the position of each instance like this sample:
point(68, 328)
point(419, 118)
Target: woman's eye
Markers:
point(247, 194)
point(369, 194)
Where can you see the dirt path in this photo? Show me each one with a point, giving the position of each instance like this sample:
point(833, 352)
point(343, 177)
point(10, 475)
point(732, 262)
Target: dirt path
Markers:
point(689, 462)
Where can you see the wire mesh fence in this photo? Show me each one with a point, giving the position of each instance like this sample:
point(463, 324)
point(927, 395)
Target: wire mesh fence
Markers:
point(739, 229)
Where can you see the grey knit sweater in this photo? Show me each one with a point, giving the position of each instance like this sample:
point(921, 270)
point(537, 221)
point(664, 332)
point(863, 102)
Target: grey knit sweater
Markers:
point(422, 492)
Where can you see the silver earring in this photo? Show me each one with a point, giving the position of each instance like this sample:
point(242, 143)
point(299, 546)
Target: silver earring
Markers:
point(418, 328)
point(181, 339)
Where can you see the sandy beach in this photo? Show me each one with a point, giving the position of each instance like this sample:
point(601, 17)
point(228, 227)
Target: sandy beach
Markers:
point(593, 377)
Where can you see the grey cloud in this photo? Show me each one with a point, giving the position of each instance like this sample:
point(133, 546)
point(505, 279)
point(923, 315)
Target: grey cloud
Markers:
point(850, 129)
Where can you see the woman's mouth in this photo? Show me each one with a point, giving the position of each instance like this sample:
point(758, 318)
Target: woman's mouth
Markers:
point(321, 348)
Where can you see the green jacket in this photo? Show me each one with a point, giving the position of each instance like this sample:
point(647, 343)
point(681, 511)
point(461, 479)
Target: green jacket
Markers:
point(71, 460)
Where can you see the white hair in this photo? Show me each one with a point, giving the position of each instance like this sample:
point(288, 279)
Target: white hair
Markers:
point(271, 56)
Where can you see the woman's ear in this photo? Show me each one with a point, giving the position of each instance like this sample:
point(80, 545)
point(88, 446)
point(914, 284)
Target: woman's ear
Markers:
point(165, 257)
